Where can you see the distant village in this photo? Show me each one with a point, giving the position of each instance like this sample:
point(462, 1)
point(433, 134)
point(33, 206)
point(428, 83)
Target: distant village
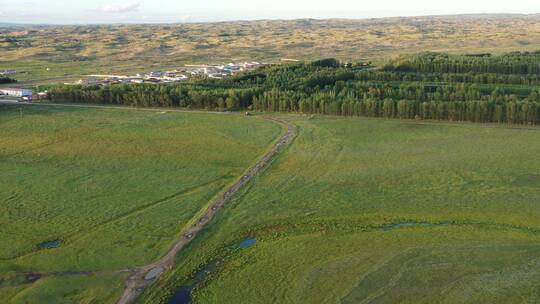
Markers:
point(177, 75)
point(8, 72)
point(23, 94)
point(156, 77)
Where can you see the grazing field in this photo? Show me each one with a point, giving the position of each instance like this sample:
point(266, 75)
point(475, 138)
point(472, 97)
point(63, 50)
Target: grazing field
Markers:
point(379, 211)
point(88, 192)
point(51, 54)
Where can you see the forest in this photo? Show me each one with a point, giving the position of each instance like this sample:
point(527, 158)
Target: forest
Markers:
point(434, 86)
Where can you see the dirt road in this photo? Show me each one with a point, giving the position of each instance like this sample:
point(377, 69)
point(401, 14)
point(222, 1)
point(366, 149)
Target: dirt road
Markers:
point(142, 277)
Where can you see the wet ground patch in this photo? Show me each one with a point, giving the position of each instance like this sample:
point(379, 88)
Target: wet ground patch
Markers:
point(247, 243)
point(528, 180)
point(182, 295)
point(20, 279)
point(412, 224)
point(50, 244)
point(32, 277)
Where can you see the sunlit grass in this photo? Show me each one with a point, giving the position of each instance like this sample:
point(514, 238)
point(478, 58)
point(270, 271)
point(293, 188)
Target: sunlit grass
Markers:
point(116, 187)
point(382, 210)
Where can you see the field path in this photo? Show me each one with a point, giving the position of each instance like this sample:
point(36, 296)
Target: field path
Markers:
point(142, 277)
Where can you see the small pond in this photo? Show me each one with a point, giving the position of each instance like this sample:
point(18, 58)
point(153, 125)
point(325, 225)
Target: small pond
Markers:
point(50, 244)
point(247, 243)
point(182, 295)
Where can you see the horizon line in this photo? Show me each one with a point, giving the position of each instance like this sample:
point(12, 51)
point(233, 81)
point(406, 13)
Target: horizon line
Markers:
point(15, 23)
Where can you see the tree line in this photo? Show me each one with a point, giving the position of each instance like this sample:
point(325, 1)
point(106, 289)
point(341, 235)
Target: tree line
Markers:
point(477, 78)
point(6, 79)
point(151, 95)
point(517, 112)
point(510, 63)
point(434, 86)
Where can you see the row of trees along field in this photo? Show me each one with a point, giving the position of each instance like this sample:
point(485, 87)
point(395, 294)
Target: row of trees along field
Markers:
point(479, 88)
point(151, 95)
point(4, 80)
point(476, 78)
point(511, 63)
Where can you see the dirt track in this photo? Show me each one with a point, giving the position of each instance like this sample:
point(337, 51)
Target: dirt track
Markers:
point(142, 277)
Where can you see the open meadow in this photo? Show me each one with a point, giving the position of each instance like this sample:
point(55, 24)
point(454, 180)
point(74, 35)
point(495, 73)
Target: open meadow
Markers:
point(362, 210)
point(89, 192)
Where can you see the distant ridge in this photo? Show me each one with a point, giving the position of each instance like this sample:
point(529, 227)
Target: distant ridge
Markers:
point(7, 24)
point(131, 48)
point(247, 21)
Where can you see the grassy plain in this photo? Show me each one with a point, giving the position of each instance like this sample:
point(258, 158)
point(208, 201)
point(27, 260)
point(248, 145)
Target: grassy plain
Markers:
point(380, 211)
point(114, 186)
point(50, 54)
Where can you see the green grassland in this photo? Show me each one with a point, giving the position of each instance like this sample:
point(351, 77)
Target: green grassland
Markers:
point(114, 186)
point(51, 54)
point(379, 211)
point(102, 288)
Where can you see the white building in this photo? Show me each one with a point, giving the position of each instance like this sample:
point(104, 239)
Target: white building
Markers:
point(7, 72)
point(16, 92)
point(212, 70)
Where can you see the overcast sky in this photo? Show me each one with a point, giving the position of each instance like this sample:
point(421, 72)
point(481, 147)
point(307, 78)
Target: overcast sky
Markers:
point(150, 11)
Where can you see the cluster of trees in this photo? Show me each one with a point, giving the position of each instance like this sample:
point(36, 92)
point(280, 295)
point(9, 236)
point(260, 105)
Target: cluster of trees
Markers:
point(515, 111)
point(149, 95)
point(7, 80)
point(477, 78)
point(481, 88)
point(511, 63)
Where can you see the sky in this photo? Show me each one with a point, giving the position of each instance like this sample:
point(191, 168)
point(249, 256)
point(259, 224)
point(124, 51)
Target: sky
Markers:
point(173, 11)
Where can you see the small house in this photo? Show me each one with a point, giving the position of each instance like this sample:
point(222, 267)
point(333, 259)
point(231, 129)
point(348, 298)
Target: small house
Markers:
point(16, 92)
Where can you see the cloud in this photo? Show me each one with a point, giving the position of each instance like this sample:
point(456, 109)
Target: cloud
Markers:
point(184, 18)
point(118, 9)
